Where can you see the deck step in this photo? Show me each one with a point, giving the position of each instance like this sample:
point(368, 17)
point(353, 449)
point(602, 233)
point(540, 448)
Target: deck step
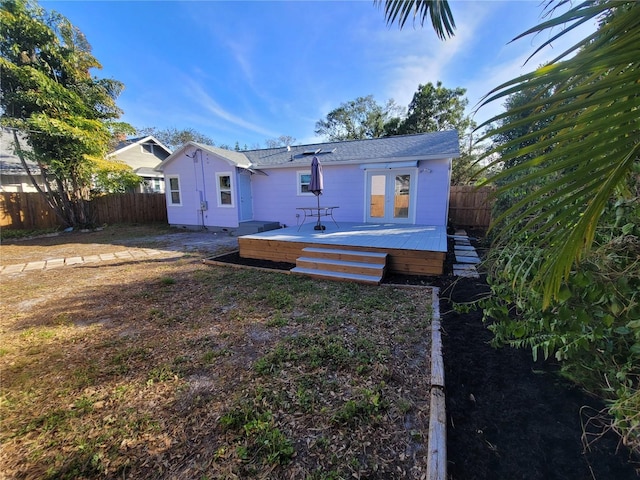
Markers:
point(346, 255)
point(341, 264)
point(360, 268)
point(372, 279)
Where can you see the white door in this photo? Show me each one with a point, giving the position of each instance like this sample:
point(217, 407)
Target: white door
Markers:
point(390, 196)
point(246, 199)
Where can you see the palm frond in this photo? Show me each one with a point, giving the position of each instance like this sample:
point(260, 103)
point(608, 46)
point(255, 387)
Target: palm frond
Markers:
point(399, 11)
point(589, 144)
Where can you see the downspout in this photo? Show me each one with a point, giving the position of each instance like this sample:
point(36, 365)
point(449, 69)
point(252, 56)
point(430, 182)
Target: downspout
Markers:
point(203, 202)
point(201, 193)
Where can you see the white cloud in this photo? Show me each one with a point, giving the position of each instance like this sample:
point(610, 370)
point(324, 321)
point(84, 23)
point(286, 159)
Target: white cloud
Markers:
point(206, 102)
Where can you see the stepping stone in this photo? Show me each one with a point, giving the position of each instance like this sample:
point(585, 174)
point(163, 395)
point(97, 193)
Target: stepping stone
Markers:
point(138, 253)
point(73, 261)
point(466, 273)
point(13, 269)
point(458, 237)
point(472, 260)
point(465, 247)
point(466, 253)
point(55, 263)
point(464, 266)
point(461, 231)
point(35, 265)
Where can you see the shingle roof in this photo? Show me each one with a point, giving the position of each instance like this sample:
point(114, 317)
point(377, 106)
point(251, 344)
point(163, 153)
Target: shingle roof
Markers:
point(10, 162)
point(419, 146)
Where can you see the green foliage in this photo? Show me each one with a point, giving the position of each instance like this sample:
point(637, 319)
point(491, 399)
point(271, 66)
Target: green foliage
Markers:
point(433, 108)
point(437, 10)
point(564, 270)
point(593, 326)
point(50, 95)
point(356, 119)
point(259, 440)
point(586, 141)
point(114, 177)
point(366, 405)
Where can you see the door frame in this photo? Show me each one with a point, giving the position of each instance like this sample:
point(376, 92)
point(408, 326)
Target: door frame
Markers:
point(390, 177)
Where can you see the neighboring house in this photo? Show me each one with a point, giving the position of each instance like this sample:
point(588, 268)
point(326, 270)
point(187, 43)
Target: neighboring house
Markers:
point(402, 179)
point(13, 177)
point(143, 155)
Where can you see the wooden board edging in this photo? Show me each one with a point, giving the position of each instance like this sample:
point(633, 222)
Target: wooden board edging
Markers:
point(437, 441)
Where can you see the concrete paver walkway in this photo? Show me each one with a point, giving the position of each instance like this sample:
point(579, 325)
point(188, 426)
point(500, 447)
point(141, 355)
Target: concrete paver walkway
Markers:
point(466, 256)
point(126, 255)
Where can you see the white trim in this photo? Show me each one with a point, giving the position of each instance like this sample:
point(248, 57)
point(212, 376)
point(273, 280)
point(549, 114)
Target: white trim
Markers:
point(169, 191)
point(230, 190)
point(299, 184)
point(140, 142)
point(389, 165)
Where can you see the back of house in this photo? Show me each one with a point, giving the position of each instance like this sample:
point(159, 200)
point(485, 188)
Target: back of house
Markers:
point(403, 179)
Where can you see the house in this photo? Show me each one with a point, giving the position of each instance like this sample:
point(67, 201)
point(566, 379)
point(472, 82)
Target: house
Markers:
point(143, 155)
point(13, 177)
point(392, 180)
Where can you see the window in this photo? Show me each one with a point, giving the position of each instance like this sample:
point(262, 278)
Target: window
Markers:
point(304, 179)
point(174, 191)
point(147, 148)
point(224, 185)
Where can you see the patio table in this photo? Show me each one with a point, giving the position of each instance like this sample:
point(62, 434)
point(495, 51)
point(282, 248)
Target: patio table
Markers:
point(317, 212)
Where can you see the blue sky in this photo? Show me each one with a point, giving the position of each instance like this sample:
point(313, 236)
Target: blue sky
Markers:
point(251, 71)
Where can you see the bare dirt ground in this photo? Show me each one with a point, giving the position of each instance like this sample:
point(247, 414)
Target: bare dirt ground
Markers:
point(168, 368)
point(112, 240)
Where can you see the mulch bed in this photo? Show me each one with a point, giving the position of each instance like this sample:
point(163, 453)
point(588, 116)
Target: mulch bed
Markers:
point(508, 417)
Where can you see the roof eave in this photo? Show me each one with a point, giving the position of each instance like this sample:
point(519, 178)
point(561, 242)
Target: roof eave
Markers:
point(441, 156)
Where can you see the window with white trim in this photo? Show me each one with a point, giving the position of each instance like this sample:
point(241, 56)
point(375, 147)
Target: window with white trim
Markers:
point(224, 187)
point(304, 179)
point(174, 190)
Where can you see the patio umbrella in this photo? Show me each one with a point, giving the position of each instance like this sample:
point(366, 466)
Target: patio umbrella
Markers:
point(316, 185)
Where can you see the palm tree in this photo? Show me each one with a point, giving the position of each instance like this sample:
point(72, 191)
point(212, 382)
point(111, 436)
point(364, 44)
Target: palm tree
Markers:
point(590, 144)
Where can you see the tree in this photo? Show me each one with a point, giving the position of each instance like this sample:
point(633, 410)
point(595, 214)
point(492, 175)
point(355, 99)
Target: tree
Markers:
point(593, 139)
point(514, 131)
point(435, 108)
point(50, 96)
point(281, 141)
point(113, 176)
point(172, 138)
point(357, 119)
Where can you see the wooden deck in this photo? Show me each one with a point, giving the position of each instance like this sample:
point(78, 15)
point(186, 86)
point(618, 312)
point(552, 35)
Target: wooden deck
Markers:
point(412, 249)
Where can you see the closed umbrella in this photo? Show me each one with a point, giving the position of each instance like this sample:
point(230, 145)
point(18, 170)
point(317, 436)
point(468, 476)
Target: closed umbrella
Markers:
point(316, 185)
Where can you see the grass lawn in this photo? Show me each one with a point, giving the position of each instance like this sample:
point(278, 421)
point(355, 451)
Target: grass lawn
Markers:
point(174, 369)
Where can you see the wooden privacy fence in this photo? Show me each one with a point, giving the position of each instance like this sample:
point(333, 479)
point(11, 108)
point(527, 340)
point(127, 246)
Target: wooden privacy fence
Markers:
point(470, 206)
point(30, 211)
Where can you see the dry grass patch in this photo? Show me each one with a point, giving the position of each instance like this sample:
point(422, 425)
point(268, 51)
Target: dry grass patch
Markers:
point(180, 370)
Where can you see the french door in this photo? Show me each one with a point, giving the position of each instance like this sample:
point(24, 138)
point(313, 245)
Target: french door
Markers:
point(390, 196)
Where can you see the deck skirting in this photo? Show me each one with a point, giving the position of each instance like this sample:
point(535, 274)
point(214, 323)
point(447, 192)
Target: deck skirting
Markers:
point(401, 261)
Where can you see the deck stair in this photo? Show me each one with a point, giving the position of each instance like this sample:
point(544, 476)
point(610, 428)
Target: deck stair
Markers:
point(339, 264)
